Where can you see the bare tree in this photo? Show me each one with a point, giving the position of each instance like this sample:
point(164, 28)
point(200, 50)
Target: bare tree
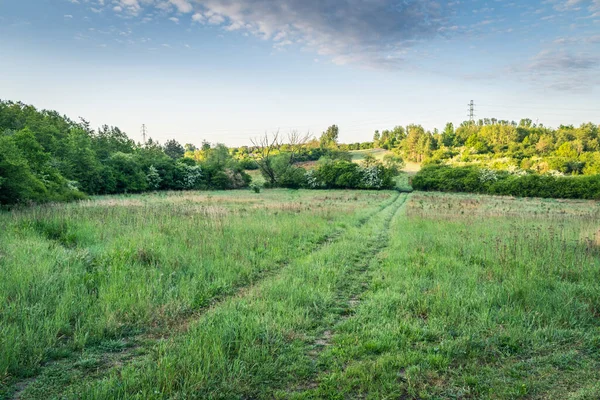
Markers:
point(265, 148)
point(296, 143)
point(263, 153)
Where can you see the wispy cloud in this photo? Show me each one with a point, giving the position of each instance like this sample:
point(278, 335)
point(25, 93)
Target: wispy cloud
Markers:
point(576, 5)
point(369, 32)
point(183, 6)
point(562, 70)
point(377, 31)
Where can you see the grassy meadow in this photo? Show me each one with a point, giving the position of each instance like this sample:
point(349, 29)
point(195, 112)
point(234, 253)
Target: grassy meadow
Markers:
point(301, 295)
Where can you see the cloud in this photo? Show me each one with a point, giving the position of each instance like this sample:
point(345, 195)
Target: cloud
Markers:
point(183, 6)
point(595, 39)
point(577, 5)
point(562, 61)
point(562, 70)
point(372, 32)
point(132, 7)
point(174, 19)
point(198, 17)
point(68, 16)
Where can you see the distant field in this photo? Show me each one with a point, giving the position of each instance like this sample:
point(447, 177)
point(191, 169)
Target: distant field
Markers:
point(359, 155)
point(297, 294)
point(256, 176)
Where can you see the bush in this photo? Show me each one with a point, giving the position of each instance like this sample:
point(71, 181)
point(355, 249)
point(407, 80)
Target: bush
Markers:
point(342, 174)
point(248, 164)
point(256, 188)
point(476, 180)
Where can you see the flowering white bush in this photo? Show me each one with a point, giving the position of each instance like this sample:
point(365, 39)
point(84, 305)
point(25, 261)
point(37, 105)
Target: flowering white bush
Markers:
point(487, 175)
point(555, 173)
point(372, 178)
point(311, 179)
point(514, 170)
point(193, 175)
point(153, 178)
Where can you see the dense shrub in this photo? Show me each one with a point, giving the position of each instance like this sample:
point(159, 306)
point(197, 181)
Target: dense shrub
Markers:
point(479, 180)
point(248, 164)
point(338, 174)
point(342, 174)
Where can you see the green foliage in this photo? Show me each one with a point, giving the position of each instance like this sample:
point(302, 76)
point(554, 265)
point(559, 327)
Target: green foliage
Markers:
point(256, 188)
point(285, 173)
point(342, 174)
point(18, 181)
point(47, 157)
point(174, 149)
point(389, 139)
point(127, 173)
point(501, 144)
point(473, 179)
point(329, 138)
point(393, 162)
point(153, 178)
point(338, 174)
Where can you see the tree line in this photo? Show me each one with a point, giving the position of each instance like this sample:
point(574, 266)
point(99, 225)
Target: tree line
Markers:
point(45, 156)
point(500, 145)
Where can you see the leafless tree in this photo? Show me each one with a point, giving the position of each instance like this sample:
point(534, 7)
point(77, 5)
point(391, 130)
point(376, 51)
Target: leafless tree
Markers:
point(265, 148)
point(263, 154)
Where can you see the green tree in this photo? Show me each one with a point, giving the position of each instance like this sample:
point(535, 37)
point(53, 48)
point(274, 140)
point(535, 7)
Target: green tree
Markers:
point(329, 138)
point(17, 182)
point(174, 149)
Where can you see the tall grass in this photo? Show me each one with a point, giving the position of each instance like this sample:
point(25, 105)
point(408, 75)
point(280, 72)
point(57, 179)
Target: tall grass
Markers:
point(479, 297)
point(74, 275)
point(253, 345)
point(345, 295)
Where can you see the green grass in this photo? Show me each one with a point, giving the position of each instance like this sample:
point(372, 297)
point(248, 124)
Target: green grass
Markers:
point(359, 155)
point(301, 294)
point(74, 276)
point(256, 176)
point(478, 297)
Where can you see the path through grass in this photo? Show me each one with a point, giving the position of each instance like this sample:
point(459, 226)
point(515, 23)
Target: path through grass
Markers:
point(340, 295)
point(117, 271)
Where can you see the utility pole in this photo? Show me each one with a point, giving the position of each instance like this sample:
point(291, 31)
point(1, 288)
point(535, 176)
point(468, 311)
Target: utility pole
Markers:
point(471, 111)
point(144, 133)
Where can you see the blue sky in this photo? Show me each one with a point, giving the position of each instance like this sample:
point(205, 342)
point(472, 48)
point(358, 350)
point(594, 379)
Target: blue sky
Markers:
point(226, 71)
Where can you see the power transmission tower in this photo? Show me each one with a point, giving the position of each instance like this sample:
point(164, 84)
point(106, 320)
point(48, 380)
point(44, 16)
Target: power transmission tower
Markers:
point(472, 111)
point(144, 133)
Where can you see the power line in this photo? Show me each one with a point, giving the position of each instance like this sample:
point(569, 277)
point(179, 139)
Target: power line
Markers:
point(471, 111)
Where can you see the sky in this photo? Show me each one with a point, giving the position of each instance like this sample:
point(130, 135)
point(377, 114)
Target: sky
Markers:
point(227, 71)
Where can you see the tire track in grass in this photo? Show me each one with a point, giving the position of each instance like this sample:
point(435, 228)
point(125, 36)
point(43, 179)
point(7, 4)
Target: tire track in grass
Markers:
point(349, 297)
point(127, 349)
point(249, 346)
